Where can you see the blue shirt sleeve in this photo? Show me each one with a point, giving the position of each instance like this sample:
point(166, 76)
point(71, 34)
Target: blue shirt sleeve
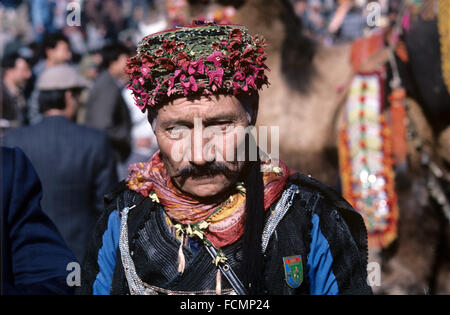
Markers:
point(107, 255)
point(320, 260)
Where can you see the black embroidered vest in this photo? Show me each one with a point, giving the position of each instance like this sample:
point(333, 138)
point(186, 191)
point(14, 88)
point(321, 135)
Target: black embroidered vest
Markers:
point(154, 249)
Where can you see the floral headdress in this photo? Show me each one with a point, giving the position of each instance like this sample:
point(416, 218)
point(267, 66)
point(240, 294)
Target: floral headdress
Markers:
point(197, 60)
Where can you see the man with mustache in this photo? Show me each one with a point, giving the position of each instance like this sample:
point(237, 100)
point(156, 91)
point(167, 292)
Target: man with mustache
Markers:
point(204, 215)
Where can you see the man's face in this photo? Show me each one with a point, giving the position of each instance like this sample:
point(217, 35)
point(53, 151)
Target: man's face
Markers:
point(60, 54)
point(21, 72)
point(194, 137)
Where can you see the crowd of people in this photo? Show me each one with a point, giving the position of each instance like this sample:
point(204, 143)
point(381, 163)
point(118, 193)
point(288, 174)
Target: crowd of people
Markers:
point(64, 102)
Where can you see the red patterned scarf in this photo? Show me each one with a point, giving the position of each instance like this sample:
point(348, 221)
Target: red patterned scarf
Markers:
point(225, 219)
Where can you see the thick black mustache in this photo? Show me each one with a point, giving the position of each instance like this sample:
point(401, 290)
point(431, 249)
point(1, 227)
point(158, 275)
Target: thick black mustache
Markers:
point(208, 170)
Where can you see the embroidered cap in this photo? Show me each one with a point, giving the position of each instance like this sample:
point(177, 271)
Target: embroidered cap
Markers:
point(202, 59)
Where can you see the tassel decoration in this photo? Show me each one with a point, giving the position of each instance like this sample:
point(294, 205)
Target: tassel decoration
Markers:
point(181, 258)
point(218, 283)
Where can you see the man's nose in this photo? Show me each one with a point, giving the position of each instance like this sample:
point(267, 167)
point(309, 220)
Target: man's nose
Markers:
point(202, 152)
point(197, 156)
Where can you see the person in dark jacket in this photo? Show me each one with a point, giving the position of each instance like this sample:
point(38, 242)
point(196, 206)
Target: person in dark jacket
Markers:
point(15, 73)
point(198, 220)
point(34, 255)
point(75, 163)
point(105, 108)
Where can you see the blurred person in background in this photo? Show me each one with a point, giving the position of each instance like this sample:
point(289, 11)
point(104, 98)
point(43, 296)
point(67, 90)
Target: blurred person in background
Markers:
point(42, 17)
point(143, 139)
point(15, 74)
point(106, 17)
point(106, 109)
point(348, 22)
point(75, 163)
point(55, 51)
point(48, 16)
point(34, 256)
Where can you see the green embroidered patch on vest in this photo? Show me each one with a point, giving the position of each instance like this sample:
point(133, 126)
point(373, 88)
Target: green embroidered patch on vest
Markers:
point(293, 271)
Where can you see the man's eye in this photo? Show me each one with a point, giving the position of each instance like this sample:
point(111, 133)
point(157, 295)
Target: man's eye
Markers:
point(177, 132)
point(223, 125)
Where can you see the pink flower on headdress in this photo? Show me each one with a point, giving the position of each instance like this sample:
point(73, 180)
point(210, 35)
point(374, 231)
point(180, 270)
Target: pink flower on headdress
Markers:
point(236, 87)
point(171, 80)
point(239, 76)
point(249, 81)
point(156, 90)
point(141, 102)
point(136, 86)
point(196, 67)
point(216, 77)
point(190, 85)
point(216, 57)
point(145, 70)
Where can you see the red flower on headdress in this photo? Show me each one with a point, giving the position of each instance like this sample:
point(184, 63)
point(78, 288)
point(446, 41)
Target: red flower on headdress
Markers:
point(133, 65)
point(261, 59)
point(234, 45)
point(166, 63)
point(183, 60)
point(248, 53)
point(159, 52)
point(169, 46)
point(260, 44)
point(245, 60)
point(236, 35)
point(215, 45)
point(149, 61)
point(233, 59)
point(216, 58)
